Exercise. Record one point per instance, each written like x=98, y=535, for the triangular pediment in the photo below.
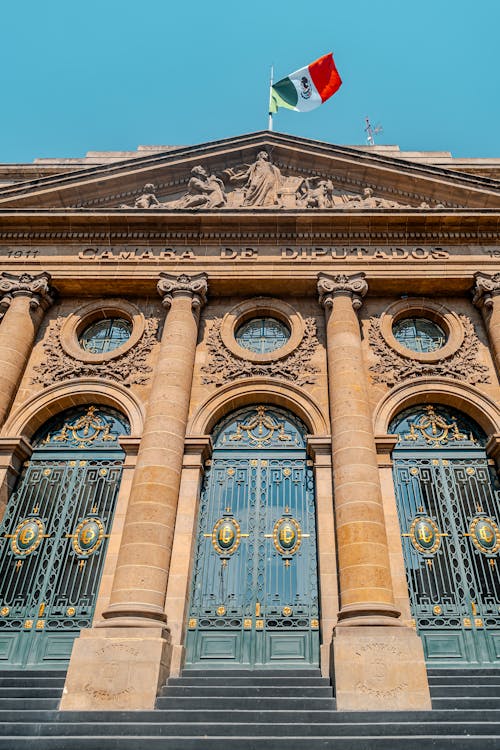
x=260, y=171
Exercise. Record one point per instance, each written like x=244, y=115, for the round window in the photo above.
x=262, y=335
x=105, y=335
x=419, y=334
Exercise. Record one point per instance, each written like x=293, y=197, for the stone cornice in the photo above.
x=382, y=226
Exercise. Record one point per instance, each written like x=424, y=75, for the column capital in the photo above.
x=354, y=286
x=36, y=286
x=171, y=285
x=485, y=288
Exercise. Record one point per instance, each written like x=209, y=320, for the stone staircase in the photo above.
x=268, y=710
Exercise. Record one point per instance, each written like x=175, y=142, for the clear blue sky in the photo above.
x=110, y=75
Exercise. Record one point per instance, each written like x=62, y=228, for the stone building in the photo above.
x=250, y=416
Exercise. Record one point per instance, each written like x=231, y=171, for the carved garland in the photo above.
x=129, y=368
x=393, y=367
x=223, y=366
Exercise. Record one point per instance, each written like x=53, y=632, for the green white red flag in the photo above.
x=307, y=88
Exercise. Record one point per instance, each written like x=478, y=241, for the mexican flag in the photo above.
x=307, y=88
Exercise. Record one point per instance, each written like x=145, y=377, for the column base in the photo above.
x=379, y=669
x=116, y=669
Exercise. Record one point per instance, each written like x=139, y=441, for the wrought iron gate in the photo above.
x=448, y=505
x=254, y=594
x=54, y=535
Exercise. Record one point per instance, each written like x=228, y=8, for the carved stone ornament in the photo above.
x=263, y=185
x=26, y=285
x=354, y=286
x=129, y=368
x=223, y=366
x=393, y=367
x=169, y=285
x=486, y=287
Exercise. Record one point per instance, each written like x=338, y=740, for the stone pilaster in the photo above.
x=371, y=661
x=134, y=634
x=24, y=299
x=487, y=298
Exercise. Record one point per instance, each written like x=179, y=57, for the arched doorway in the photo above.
x=448, y=504
x=54, y=536
x=254, y=594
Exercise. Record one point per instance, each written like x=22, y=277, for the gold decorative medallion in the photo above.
x=192, y=624
x=4, y=611
x=226, y=536
x=287, y=536
x=221, y=610
x=287, y=611
x=40, y=624
x=259, y=624
x=88, y=536
x=315, y=624
x=71, y=611
x=425, y=535
x=247, y=624
x=28, y=624
x=437, y=610
x=27, y=536
x=485, y=535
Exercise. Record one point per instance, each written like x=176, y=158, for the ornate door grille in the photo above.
x=54, y=536
x=448, y=505
x=254, y=594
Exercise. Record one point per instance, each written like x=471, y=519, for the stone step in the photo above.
x=28, y=673
x=245, y=716
x=208, y=729
x=272, y=742
x=30, y=692
x=249, y=703
x=465, y=691
x=472, y=672
x=21, y=682
x=244, y=691
x=477, y=680
x=306, y=682
x=461, y=703
x=287, y=673
x=37, y=704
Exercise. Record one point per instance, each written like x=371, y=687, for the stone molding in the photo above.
x=171, y=285
x=486, y=287
x=35, y=286
x=128, y=365
x=394, y=365
x=224, y=366
x=354, y=286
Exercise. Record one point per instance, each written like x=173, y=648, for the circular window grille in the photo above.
x=105, y=335
x=262, y=335
x=419, y=334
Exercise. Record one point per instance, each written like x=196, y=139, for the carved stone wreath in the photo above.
x=224, y=366
x=392, y=367
x=129, y=368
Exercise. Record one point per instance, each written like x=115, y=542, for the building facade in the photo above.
x=249, y=397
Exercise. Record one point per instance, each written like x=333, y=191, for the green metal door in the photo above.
x=254, y=600
x=54, y=535
x=448, y=505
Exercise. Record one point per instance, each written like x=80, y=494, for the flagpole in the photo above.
x=270, y=125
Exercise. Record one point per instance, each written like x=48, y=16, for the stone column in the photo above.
x=376, y=665
x=125, y=658
x=487, y=298
x=24, y=299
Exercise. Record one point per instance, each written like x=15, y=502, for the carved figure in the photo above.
x=147, y=199
x=204, y=191
x=316, y=193
x=261, y=181
x=368, y=200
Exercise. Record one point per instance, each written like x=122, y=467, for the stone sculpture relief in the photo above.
x=129, y=368
x=393, y=367
x=223, y=366
x=262, y=185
